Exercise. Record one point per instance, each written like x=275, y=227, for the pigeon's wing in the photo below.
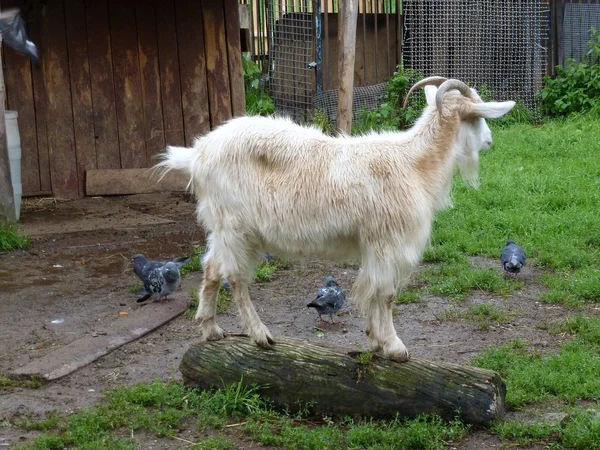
x=506, y=254
x=148, y=268
x=520, y=253
x=153, y=284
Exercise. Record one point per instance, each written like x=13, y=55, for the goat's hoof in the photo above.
x=267, y=343
x=396, y=351
x=400, y=357
x=214, y=334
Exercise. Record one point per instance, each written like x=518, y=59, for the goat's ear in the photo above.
x=491, y=110
x=430, y=94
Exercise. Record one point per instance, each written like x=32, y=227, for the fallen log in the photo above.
x=339, y=382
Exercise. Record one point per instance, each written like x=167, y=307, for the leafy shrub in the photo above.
x=576, y=87
x=390, y=115
x=258, y=101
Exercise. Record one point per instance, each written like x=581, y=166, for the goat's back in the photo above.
x=294, y=186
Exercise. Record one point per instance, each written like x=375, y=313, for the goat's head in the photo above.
x=473, y=134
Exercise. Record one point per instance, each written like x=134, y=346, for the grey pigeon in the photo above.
x=512, y=258
x=160, y=278
x=14, y=35
x=329, y=299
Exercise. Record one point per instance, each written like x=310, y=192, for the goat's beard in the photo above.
x=469, y=169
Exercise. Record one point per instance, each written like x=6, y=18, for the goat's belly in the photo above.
x=338, y=248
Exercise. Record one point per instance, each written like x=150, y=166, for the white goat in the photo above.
x=267, y=184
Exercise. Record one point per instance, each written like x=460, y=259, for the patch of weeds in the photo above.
x=265, y=270
x=163, y=407
x=49, y=423
x=424, y=432
x=215, y=443
x=524, y=433
x=33, y=382
x=458, y=278
x=223, y=301
x=365, y=358
x=572, y=289
x=195, y=265
x=585, y=329
x=485, y=314
x=11, y=237
x=136, y=287
x=408, y=296
x=580, y=430
x=570, y=374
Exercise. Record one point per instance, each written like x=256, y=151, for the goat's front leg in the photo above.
x=207, y=304
x=254, y=326
x=381, y=331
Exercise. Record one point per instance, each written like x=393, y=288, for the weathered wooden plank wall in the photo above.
x=120, y=79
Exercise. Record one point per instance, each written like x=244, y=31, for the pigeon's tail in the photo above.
x=177, y=158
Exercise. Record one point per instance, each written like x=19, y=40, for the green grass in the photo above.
x=163, y=408
x=540, y=186
x=223, y=301
x=567, y=376
x=486, y=314
x=34, y=382
x=195, y=265
x=580, y=430
x=456, y=279
x=11, y=237
x=408, y=296
x=570, y=374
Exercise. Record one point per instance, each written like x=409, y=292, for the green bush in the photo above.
x=390, y=115
x=258, y=101
x=575, y=87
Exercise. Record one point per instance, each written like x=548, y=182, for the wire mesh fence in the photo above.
x=500, y=44
x=291, y=58
x=578, y=20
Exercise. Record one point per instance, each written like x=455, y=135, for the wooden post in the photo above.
x=7, y=199
x=346, y=43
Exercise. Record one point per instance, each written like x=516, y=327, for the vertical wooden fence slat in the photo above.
x=192, y=68
x=169, y=72
x=128, y=90
x=19, y=95
x=40, y=101
x=61, y=140
x=234, y=57
x=79, y=72
x=103, y=94
x=217, y=67
x=151, y=101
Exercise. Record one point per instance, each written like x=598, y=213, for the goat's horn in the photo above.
x=434, y=81
x=448, y=85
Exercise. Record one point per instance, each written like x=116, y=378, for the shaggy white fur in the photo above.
x=268, y=184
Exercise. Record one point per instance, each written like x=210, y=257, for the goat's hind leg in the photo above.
x=207, y=303
x=376, y=302
x=257, y=330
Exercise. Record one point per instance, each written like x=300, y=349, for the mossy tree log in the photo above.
x=339, y=382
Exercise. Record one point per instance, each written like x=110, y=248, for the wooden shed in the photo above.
x=119, y=80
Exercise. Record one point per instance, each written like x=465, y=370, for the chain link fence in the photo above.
x=499, y=44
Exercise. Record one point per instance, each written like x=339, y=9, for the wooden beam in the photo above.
x=124, y=329
x=7, y=200
x=339, y=382
x=131, y=181
x=346, y=43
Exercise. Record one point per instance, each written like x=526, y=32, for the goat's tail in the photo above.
x=178, y=158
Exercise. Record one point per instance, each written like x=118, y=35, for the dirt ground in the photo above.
x=78, y=272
